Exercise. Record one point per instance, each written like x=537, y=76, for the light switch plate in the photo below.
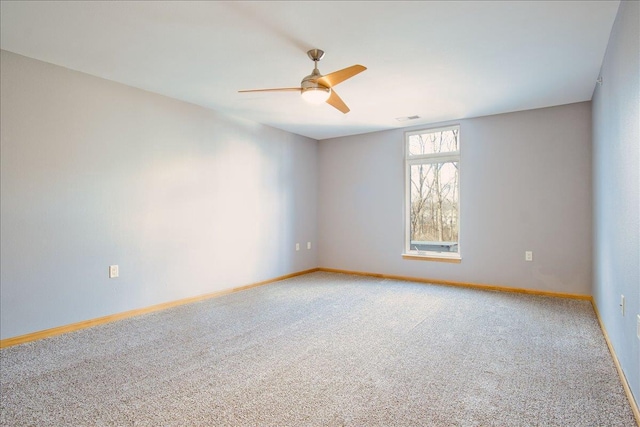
x=113, y=271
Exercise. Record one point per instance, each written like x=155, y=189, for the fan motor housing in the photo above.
x=310, y=82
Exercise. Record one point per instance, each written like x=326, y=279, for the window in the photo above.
x=432, y=196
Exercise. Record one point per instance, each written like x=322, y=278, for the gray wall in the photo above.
x=525, y=185
x=616, y=166
x=186, y=201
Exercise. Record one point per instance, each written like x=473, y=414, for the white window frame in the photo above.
x=452, y=156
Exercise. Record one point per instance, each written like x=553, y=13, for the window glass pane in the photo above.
x=434, y=207
x=443, y=141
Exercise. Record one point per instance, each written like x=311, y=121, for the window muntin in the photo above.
x=432, y=165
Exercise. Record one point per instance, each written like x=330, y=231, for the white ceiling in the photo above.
x=440, y=60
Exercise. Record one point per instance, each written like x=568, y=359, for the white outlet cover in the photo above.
x=308, y=245
x=297, y=246
x=528, y=256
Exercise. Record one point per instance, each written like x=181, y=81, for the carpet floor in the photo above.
x=326, y=349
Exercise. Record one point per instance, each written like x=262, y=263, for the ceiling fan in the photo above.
x=316, y=88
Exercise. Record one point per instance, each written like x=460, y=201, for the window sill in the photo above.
x=433, y=257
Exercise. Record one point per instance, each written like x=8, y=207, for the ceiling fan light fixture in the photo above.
x=316, y=95
x=316, y=88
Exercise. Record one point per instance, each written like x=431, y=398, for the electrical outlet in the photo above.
x=113, y=271
x=308, y=245
x=528, y=256
x=622, y=304
x=297, y=246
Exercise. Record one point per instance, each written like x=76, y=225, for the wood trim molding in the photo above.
x=8, y=342
x=461, y=284
x=623, y=378
x=432, y=258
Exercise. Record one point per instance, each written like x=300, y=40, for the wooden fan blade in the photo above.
x=332, y=79
x=282, y=89
x=337, y=102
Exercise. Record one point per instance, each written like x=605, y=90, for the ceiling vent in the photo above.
x=404, y=119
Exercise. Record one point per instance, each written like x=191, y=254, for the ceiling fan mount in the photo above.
x=316, y=88
x=315, y=54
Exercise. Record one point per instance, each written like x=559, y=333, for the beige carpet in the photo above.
x=326, y=350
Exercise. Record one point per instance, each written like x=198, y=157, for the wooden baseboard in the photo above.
x=8, y=342
x=461, y=284
x=623, y=378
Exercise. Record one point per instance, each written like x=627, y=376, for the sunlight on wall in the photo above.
x=214, y=212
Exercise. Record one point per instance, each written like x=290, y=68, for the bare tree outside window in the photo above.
x=433, y=166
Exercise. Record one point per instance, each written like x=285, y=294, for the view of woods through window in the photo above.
x=433, y=174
